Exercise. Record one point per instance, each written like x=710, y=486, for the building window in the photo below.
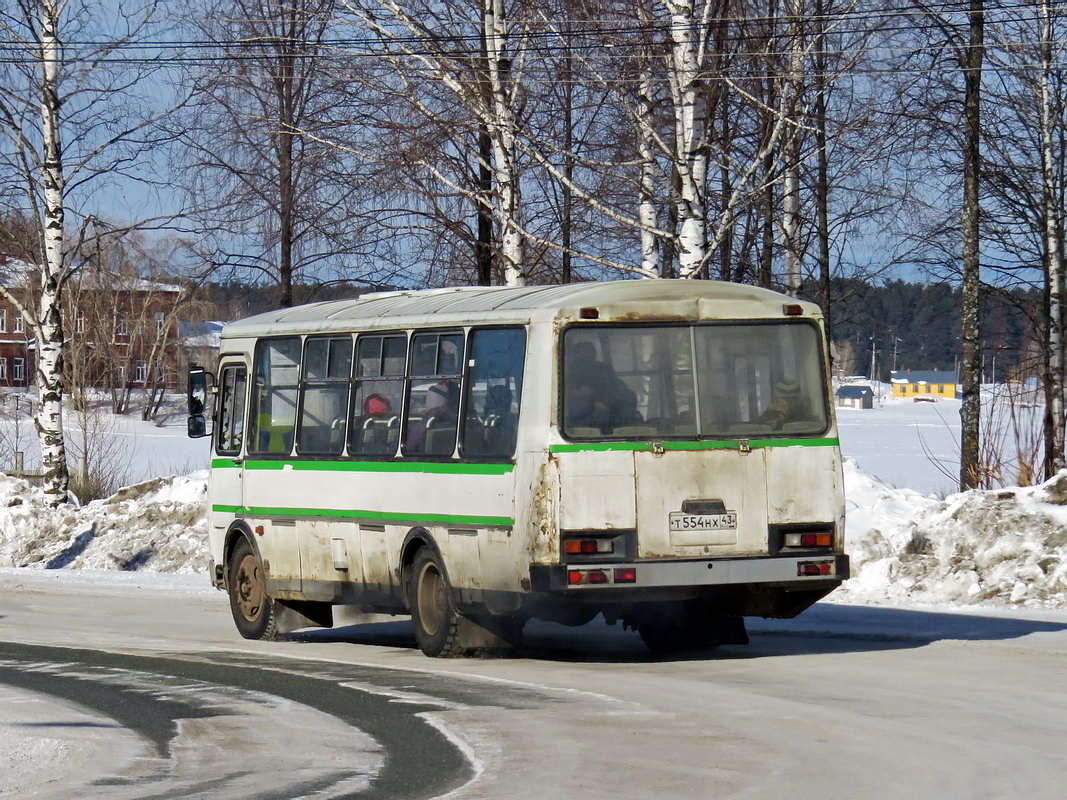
x=122, y=373
x=140, y=372
x=3, y=369
x=79, y=322
x=122, y=325
x=20, y=323
x=160, y=324
x=3, y=320
x=18, y=370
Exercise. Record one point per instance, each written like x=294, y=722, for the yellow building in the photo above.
x=922, y=383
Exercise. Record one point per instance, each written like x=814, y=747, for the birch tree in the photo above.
x=278, y=205
x=64, y=133
x=1027, y=181
x=432, y=44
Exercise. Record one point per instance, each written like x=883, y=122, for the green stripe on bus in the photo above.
x=433, y=467
x=732, y=444
x=345, y=513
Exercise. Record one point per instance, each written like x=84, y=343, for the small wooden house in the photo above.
x=855, y=396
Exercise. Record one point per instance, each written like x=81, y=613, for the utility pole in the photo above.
x=873, y=351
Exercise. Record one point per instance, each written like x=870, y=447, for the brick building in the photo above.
x=119, y=332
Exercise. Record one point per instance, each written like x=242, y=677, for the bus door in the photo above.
x=227, y=464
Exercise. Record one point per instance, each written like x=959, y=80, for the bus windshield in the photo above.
x=719, y=380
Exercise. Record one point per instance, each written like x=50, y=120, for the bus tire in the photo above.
x=433, y=614
x=254, y=612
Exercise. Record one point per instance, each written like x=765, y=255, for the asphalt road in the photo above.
x=143, y=689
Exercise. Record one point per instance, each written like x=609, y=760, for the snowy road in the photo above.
x=136, y=685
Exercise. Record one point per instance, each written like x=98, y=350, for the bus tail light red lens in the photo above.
x=806, y=568
x=626, y=575
x=579, y=577
x=793, y=310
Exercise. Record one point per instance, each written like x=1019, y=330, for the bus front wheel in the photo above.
x=254, y=612
x=433, y=614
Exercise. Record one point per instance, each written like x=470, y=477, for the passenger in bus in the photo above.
x=442, y=407
x=376, y=405
x=595, y=396
x=786, y=405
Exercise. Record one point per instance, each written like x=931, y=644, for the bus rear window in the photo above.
x=732, y=380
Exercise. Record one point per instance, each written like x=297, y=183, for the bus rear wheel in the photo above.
x=433, y=614
x=254, y=612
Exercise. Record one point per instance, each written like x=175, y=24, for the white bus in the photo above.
x=660, y=452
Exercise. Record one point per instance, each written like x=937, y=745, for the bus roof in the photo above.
x=631, y=300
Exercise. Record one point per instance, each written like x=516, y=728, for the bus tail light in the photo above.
x=578, y=577
x=587, y=547
x=809, y=539
x=626, y=575
x=807, y=568
x=792, y=309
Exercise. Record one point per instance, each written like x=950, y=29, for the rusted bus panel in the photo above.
x=597, y=491
x=461, y=549
x=537, y=510
x=279, y=547
x=805, y=484
x=378, y=557
x=731, y=480
x=325, y=544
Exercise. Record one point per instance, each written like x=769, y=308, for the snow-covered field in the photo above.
x=912, y=541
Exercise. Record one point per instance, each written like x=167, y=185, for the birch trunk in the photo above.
x=502, y=133
x=49, y=328
x=689, y=130
x=1054, y=264
x=791, y=153
x=646, y=203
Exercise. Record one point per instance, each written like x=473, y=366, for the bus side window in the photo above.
x=274, y=396
x=324, y=395
x=494, y=388
x=230, y=431
x=433, y=394
x=377, y=395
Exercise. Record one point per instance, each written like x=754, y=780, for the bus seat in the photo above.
x=440, y=440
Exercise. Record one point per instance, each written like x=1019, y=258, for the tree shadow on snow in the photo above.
x=825, y=628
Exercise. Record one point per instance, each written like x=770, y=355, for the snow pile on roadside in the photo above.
x=1006, y=546
x=158, y=525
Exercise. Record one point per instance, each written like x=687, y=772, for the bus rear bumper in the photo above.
x=794, y=570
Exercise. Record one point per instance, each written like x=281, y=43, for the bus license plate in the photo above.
x=680, y=521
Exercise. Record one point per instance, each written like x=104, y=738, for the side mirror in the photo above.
x=197, y=390
x=196, y=426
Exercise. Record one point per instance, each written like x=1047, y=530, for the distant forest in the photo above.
x=917, y=326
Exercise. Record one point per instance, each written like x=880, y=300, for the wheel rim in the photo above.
x=248, y=591
x=431, y=599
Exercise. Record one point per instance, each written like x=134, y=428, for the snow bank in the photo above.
x=1005, y=546
x=159, y=525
